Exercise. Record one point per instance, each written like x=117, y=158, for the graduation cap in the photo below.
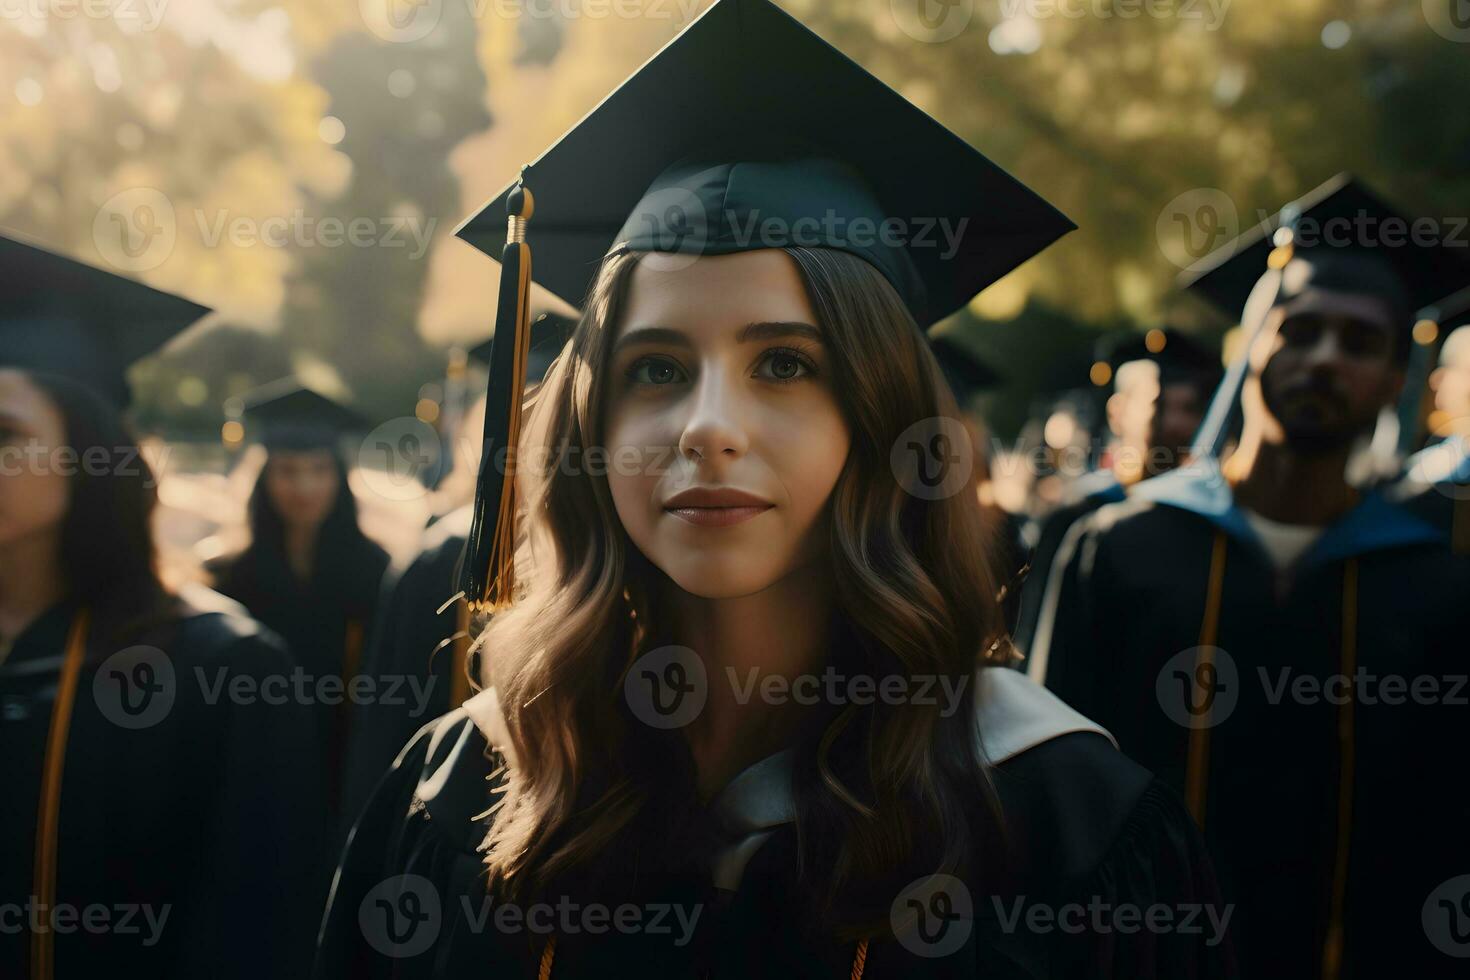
x=745, y=131
x=61, y=316
x=549, y=334
x=1340, y=237
x=1180, y=357
x=1345, y=238
x=286, y=414
x=967, y=373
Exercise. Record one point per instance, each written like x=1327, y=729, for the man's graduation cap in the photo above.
x=64, y=317
x=746, y=131
x=549, y=334
x=1348, y=240
x=1340, y=237
x=286, y=414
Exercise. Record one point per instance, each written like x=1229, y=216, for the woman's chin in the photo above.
x=725, y=576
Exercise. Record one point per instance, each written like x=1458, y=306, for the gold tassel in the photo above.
x=489, y=569
x=1197, y=770
x=48, y=817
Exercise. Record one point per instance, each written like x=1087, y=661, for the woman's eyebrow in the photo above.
x=773, y=329
x=650, y=335
x=761, y=330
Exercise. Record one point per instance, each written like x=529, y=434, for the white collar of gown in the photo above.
x=1012, y=715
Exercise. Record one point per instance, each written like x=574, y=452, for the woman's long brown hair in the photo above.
x=885, y=793
x=107, y=548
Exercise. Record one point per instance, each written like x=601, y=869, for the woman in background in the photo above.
x=146, y=784
x=309, y=572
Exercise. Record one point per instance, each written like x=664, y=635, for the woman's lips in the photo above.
x=717, y=516
x=716, y=506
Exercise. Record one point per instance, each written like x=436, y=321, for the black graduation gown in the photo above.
x=1014, y=558
x=200, y=819
x=1088, y=826
x=1098, y=489
x=409, y=657
x=1132, y=601
x=325, y=624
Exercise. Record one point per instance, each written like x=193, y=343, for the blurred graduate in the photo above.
x=1161, y=383
x=309, y=572
x=747, y=459
x=1436, y=480
x=155, y=824
x=1251, y=631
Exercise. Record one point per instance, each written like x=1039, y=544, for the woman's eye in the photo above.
x=787, y=365
x=653, y=371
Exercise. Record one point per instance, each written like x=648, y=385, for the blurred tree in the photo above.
x=398, y=110
x=1163, y=137
x=220, y=362
x=137, y=145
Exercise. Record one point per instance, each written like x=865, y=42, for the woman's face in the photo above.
x=302, y=485
x=723, y=432
x=34, y=468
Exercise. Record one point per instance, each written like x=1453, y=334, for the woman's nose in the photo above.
x=715, y=422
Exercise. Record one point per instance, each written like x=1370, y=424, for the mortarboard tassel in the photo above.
x=48, y=816
x=488, y=569
x=1209, y=441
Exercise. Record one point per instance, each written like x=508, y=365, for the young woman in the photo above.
x=737, y=716
x=309, y=572
x=154, y=802
x=809, y=559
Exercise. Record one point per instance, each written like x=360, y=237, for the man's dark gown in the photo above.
x=1290, y=773
x=1097, y=489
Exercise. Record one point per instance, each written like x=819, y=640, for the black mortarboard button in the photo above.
x=746, y=131
x=64, y=317
x=286, y=414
